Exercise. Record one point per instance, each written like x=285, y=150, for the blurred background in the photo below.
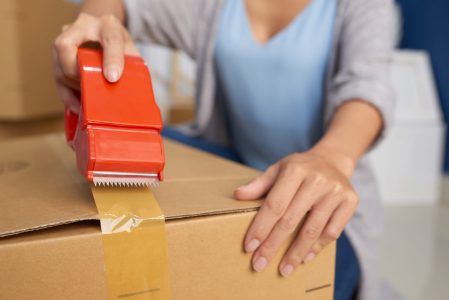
x=412, y=164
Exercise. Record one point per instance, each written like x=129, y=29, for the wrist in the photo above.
x=341, y=160
x=99, y=9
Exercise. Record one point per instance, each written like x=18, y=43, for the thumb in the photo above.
x=259, y=186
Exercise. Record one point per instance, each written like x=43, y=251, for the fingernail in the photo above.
x=260, y=264
x=113, y=74
x=251, y=246
x=309, y=257
x=287, y=270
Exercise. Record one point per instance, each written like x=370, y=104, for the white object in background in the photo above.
x=408, y=164
x=160, y=61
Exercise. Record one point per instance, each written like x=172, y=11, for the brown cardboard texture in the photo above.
x=27, y=29
x=50, y=238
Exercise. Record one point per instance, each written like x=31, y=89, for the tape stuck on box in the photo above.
x=134, y=241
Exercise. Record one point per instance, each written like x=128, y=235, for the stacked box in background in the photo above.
x=13, y=129
x=27, y=89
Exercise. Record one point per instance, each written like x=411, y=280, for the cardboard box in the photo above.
x=27, y=128
x=51, y=247
x=181, y=112
x=27, y=30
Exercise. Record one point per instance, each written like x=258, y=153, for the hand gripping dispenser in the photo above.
x=116, y=136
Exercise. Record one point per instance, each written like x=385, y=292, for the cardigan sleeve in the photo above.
x=363, y=56
x=171, y=23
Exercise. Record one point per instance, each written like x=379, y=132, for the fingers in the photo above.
x=108, y=31
x=72, y=37
x=336, y=224
x=308, y=236
x=61, y=78
x=259, y=186
x=288, y=223
x=113, y=42
x=323, y=225
x=130, y=47
x=69, y=98
x=273, y=208
x=299, y=185
x=66, y=47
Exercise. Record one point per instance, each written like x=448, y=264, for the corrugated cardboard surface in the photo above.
x=40, y=185
x=27, y=30
x=205, y=228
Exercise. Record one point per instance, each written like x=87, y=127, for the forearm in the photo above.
x=100, y=8
x=353, y=128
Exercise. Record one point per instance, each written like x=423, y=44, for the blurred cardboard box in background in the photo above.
x=27, y=30
x=181, y=112
x=11, y=129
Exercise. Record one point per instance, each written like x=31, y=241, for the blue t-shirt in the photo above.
x=273, y=92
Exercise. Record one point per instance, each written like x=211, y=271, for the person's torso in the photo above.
x=273, y=92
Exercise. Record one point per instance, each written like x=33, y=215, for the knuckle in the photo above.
x=352, y=197
x=320, y=217
x=318, y=179
x=64, y=27
x=288, y=223
x=337, y=187
x=318, y=247
x=109, y=19
x=83, y=16
x=267, y=249
x=291, y=170
x=294, y=258
x=112, y=38
x=332, y=233
x=62, y=42
x=275, y=207
x=271, y=169
x=312, y=231
x=292, y=158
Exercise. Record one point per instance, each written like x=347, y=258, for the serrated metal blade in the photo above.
x=125, y=179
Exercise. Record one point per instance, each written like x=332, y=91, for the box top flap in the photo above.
x=41, y=187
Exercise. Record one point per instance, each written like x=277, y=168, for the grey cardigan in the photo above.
x=363, y=41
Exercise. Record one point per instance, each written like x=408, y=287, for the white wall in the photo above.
x=409, y=163
x=160, y=61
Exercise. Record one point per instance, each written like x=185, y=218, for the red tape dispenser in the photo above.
x=116, y=137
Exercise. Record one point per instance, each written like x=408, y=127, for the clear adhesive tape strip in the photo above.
x=135, y=248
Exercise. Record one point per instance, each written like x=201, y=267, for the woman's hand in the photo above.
x=109, y=32
x=314, y=183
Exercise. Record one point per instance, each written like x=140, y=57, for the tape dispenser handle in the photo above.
x=71, y=120
x=71, y=123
